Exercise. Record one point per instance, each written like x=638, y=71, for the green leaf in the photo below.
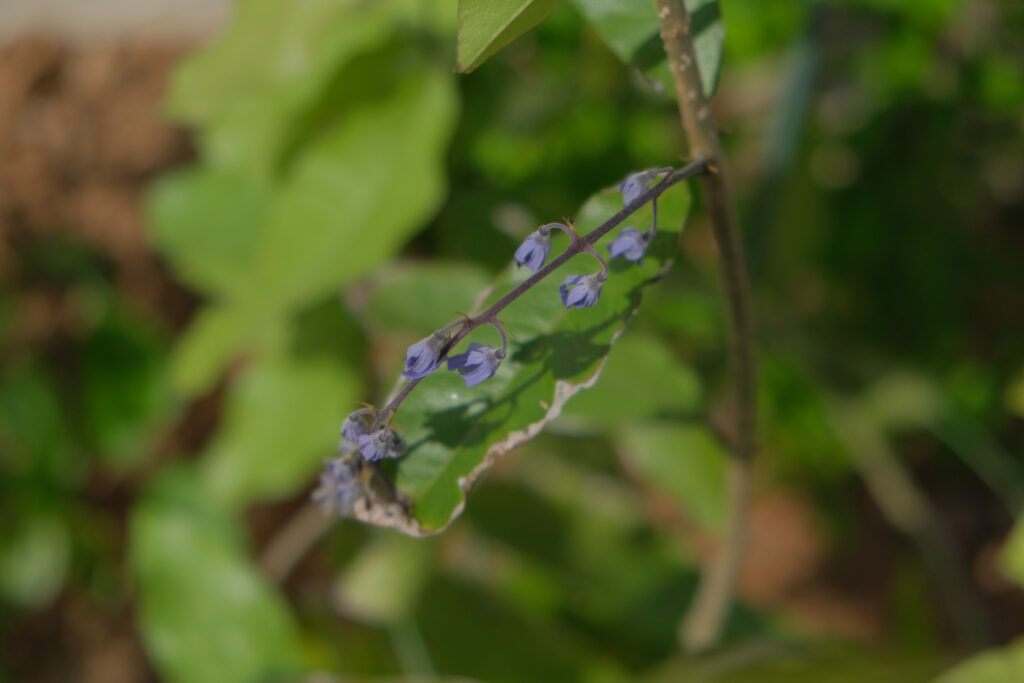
x=457, y=431
x=350, y=202
x=417, y=297
x=644, y=369
x=35, y=434
x=684, y=461
x=357, y=195
x=34, y=561
x=383, y=582
x=1012, y=556
x=465, y=622
x=279, y=426
x=206, y=613
x=125, y=396
x=821, y=662
x=284, y=50
x=1002, y=665
x=204, y=221
x=486, y=26
x=213, y=336
x=632, y=31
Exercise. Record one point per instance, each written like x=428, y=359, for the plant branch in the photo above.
x=577, y=246
x=703, y=624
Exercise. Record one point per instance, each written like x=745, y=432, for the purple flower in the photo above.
x=383, y=443
x=581, y=291
x=477, y=364
x=339, y=486
x=534, y=250
x=636, y=184
x=354, y=426
x=633, y=186
x=424, y=356
x=630, y=243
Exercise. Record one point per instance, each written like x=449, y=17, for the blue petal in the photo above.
x=632, y=187
x=533, y=251
x=631, y=244
x=458, y=361
x=478, y=374
x=563, y=289
x=424, y=356
x=353, y=427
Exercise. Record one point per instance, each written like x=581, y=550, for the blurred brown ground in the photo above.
x=80, y=136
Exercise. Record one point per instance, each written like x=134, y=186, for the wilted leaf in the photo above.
x=455, y=432
x=486, y=26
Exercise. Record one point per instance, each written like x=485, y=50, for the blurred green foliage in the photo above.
x=877, y=152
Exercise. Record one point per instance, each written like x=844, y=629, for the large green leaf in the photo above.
x=357, y=196
x=273, y=436
x=205, y=221
x=486, y=26
x=631, y=30
x=415, y=297
x=205, y=612
x=349, y=203
x=455, y=432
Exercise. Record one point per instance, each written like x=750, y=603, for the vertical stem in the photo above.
x=706, y=617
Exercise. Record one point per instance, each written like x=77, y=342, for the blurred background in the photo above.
x=221, y=223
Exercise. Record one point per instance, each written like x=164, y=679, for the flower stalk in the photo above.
x=378, y=440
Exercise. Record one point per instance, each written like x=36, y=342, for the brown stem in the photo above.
x=705, y=619
x=293, y=540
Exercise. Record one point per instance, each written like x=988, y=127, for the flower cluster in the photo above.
x=340, y=485
x=375, y=441
x=368, y=435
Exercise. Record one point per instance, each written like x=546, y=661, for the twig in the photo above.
x=291, y=543
x=705, y=619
